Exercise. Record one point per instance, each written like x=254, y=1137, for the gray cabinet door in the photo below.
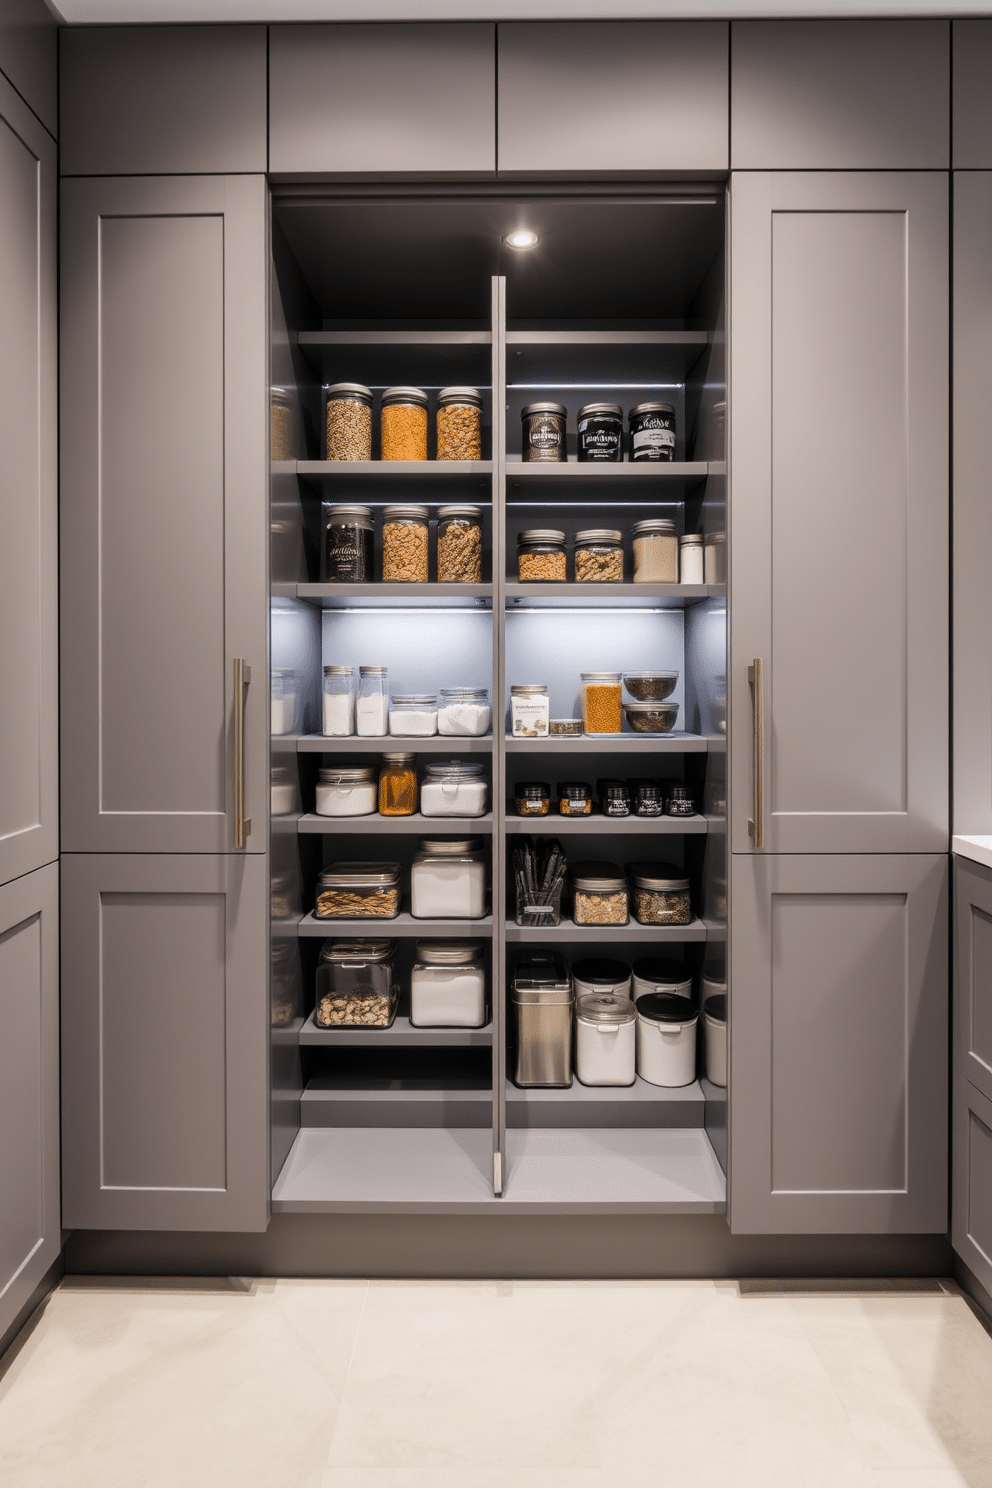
x=838, y=1081
x=165, y=1121
x=839, y=470
x=971, y=1203
x=164, y=510
x=30, y=1235
x=29, y=828
x=613, y=96
x=971, y=103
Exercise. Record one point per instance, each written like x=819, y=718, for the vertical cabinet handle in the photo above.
x=756, y=826
x=242, y=823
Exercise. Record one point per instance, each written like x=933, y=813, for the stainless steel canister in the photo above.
x=542, y=997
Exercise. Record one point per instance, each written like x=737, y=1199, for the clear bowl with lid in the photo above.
x=448, y=879
x=459, y=424
x=405, y=541
x=348, y=421
x=346, y=790
x=353, y=891
x=459, y=542
x=661, y=974
x=650, y=687
x=651, y=718
x=464, y=712
x=599, y=894
x=666, y=1039
x=413, y=715
x=454, y=788
x=601, y=696
x=403, y=424
x=599, y=556
x=448, y=984
x=660, y=894
x=357, y=986
x=542, y=432
x=656, y=551
x=542, y=556
x=605, y=1039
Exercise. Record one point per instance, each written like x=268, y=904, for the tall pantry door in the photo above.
x=164, y=512
x=839, y=529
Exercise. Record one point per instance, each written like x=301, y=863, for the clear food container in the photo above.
x=348, y=545
x=542, y=557
x=349, y=421
x=448, y=880
x=338, y=702
x=530, y=710
x=448, y=984
x=715, y=558
x=454, y=788
x=601, y=703
x=398, y=785
x=651, y=718
x=354, y=891
x=650, y=687
x=605, y=1039
x=357, y=986
x=599, y=894
x=280, y=424
x=403, y=424
x=571, y=727
x=464, y=712
x=405, y=542
x=459, y=424
x=542, y=1001
x=598, y=556
x=346, y=790
x=459, y=540
x=372, y=705
x=574, y=798
x=660, y=894
x=656, y=551
x=691, y=568
x=532, y=797
x=285, y=983
x=283, y=715
x=282, y=790
x=413, y=714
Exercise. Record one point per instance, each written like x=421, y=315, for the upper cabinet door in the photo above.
x=840, y=95
x=29, y=827
x=164, y=511
x=971, y=104
x=839, y=461
x=359, y=100
x=614, y=96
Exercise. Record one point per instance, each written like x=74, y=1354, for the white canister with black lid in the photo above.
x=666, y=1039
x=715, y=1037
x=605, y=1039
x=600, y=975
x=658, y=974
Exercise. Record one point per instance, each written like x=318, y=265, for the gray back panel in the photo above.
x=157, y=100
x=840, y=94
x=356, y=99
x=613, y=96
x=28, y=493
x=971, y=103
x=29, y=56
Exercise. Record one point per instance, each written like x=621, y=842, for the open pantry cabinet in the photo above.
x=622, y=299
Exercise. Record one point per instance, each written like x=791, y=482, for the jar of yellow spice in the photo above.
x=601, y=711
x=403, y=424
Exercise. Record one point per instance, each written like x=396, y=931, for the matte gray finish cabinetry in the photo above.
x=29, y=829
x=157, y=100
x=971, y=104
x=839, y=454
x=971, y=1216
x=165, y=1042
x=371, y=99
x=841, y=95
x=164, y=510
x=613, y=96
x=839, y=1052
x=29, y=56
x=30, y=1237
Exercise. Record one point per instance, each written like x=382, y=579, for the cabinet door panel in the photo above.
x=30, y=1237
x=838, y=1044
x=971, y=106
x=163, y=510
x=29, y=831
x=839, y=512
x=29, y=56
x=165, y=1044
x=973, y=973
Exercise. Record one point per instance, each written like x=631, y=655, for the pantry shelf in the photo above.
x=378, y=358
x=323, y=826
x=567, y=931
x=372, y=478
x=330, y=1101
x=673, y=743
x=657, y=357
x=608, y=826
x=429, y=596
x=636, y=596
x=403, y=924
x=577, y=1105
x=353, y=744
x=402, y=1035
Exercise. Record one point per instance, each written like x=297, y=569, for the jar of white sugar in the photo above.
x=339, y=702
x=372, y=707
x=464, y=711
x=454, y=788
x=283, y=701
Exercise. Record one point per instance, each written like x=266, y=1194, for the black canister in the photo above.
x=349, y=545
x=680, y=801
x=652, y=431
x=647, y=797
x=600, y=432
x=543, y=431
x=614, y=797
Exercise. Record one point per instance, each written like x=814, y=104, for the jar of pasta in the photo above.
x=598, y=556
x=459, y=544
x=601, y=711
x=405, y=534
x=459, y=424
x=403, y=424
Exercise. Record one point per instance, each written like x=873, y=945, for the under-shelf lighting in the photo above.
x=602, y=383
x=521, y=238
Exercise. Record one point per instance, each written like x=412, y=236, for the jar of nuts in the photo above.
x=459, y=424
x=357, y=985
x=349, y=421
x=598, y=556
x=405, y=531
x=661, y=894
x=599, y=894
x=541, y=556
x=601, y=711
x=403, y=424
x=459, y=544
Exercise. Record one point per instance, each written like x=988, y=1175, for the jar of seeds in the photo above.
x=599, y=894
x=661, y=894
x=403, y=424
x=281, y=425
x=601, y=712
x=541, y=556
x=459, y=544
x=357, y=985
x=543, y=432
x=405, y=531
x=459, y=424
x=349, y=421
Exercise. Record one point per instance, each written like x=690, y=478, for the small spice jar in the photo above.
x=571, y=727
x=598, y=556
x=661, y=894
x=656, y=551
x=349, y=421
x=541, y=556
x=600, y=432
x=647, y=797
x=454, y=788
x=357, y=985
x=605, y=1039
x=691, y=558
x=532, y=797
x=543, y=432
x=601, y=710
x=459, y=545
x=599, y=894
x=614, y=797
x=448, y=984
x=413, y=715
x=530, y=710
x=348, y=545
x=281, y=424
x=372, y=706
x=403, y=424
x=574, y=799
x=398, y=785
x=405, y=535
x=346, y=790
x=715, y=558
x=652, y=431
x=679, y=801
x=347, y=891
x=448, y=880
x=459, y=424
x=338, y=719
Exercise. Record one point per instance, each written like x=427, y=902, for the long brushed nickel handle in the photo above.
x=242, y=823
x=756, y=826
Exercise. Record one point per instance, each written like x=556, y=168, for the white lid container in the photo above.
x=448, y=984
x=666, y=1039
x=715, y=1037
x=605, y=1039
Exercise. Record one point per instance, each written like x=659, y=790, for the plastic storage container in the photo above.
x=459, y=424
x=679, y=801
x=459, y=542
x=413, y=715
x=715, y=1038
x=647, y=797
x=574, y=798
x=285, y=984
x=403, y=424
x=656, y=551
x=464, y=712
x=600, y=432
x=282, y=790
x=614, y=797
x=666, y=1039
x=454, y=788
x=405, y=543
x=348, y=545
x=352, y=891
x=691, y=558
x=283, y=715
x=656, y=974
x=372, y=706
x=346, y=790
x=348, y=421
x=598, y=556
x=280, y=424
x=651, y=718
x=530, y=710
x=448, y=880
x=398, y=785
x=660, y=894
x=357, y=985
x=542, y=557
x=601, y=712
x=532, y=797
x=652, y=431
x=542, y=432
x=715, y=558
x=601, y=975
x=448, y=984
x=542, y=1001
x=650, y=687
x=338, y=707
x=599, y=892
x=605, y=1039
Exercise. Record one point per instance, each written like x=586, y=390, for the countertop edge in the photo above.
x=976, y=849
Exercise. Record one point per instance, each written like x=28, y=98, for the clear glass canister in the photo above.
x=542, y=557
x=352, y=891
x=459, y=424
x=599, y=894
x=283, y=700
x=656, y=551
x=339, y=702
x=600, y=432
x=403, y=424
x=448, y=880
x=349, y=421
x=405, y=539
x=372, y=707
x=346, y=790
x=348, y=545
x=413, y=714
x=398, y=785
x=598, y=556
x=691, y=558
x=530, y=710
x=543, y=432
x=454, y=788
x=448, y=984
x=459, y=544
x=605, y=1039
x=601, y=711
x=282, y=790
x=661, y=894
x=464, y=711
x=285, y=984
x=715, y=558
x=281, y=424
x=357, y=986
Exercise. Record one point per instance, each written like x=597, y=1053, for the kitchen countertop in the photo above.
x=978, y=849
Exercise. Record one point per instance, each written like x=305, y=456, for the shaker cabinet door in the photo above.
x=839, y=527
x=164, y=511
x=165, y=1042
x=971, y=1206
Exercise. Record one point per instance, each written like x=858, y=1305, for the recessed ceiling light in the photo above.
x=524, y=238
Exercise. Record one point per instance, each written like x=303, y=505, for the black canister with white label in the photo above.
x=652, y=431
x=601, y=432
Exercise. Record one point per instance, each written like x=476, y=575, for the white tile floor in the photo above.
x=349, y=1384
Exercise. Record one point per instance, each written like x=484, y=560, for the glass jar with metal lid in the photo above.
x=464, y=711
x=283, y=707
x=357, y=985
x=398, y=785
x=448, y=984
x=601, y=710
x=285, y=983
x=372, y=703
x=542, y=1001
x=338, y=702
x=652, y=431
x=413, y=714
x=661, y=974
x=691, y=558
x=454, y=788
x=403, y=424
x=661, y=894
x=530, y=710
x=281, y=424
x=605, y=1039
x=574, y=798
x=532, y=797
x=282, y=790
x=715, y=558
x=543, y=432
x=600, y=432
x=459, y=544
x=656, y=551
x=542, y=557
x=448, y=880
x=599, y=894
x=598, y=556
x=459, y=424
x=405, y=537
x=679, y=801
x=348, y=545
x=346, y=790
x=352, y=891
x=349, y=421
